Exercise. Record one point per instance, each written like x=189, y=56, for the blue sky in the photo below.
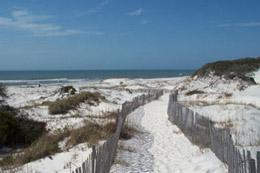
x=126, y=34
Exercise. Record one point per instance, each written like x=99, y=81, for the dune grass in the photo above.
x=62, y=106
x=231, y=69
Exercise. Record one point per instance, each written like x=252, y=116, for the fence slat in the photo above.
x=252, y=163
x=258, y=161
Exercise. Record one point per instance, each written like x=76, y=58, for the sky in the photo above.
x=126, y=34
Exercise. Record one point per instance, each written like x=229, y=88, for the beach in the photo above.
x=158, y=146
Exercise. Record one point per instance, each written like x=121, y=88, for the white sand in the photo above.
x=58, y=163
x=171, y=151
x=227, y=102
x=256, y=76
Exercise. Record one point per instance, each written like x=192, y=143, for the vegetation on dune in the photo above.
x=68, y=89
x=47, y=145
x=15, y=128
x=3, y=93
x=62, y=106
x=194, y=92
x=96, y=132
x=231, y=69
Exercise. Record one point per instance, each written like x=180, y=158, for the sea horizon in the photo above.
x=34, y=77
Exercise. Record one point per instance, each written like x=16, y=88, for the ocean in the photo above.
x=53, y=77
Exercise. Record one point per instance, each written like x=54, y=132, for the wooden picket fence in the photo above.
x=101, y=158
x=201, y=131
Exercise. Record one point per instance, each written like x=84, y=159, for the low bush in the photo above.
x=8, y=129
x=62, y=106
x=18, y=130
x=68, y=89
x=30, y=130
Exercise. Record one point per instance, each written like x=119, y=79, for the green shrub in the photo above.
x=62, y=106
x=68, y=89
x=18, y=131
x=8, y=129
x=30, y=130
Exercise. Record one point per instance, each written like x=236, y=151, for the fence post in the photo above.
x=244, y=161
x=258, y=161
x=249, y=159
x=93, y=158
x=252, y=163
x=84, y=167
x=175, y=96
x=80, y=170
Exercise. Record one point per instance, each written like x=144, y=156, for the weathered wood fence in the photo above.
x=202, y=132
x=101, y=158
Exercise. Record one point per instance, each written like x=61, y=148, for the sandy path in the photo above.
x=170, y=147
x=167, y=150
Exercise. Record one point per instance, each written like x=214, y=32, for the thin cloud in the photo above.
x=138, y=12
x=21, y=19
x=144, y=22
x=97, y=9
x=248, y=24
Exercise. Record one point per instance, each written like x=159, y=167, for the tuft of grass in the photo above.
x=93, y=132
x=44, y=103
x=47, y=145
x=90, y=132
x=194, y=92
x=128, y=90
x=127, y=132
x=226, y=124
x=228, y=94
x=62, y=106
x=121, y=146
x=205, y=103
x=121, y=161
x=108, y=115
